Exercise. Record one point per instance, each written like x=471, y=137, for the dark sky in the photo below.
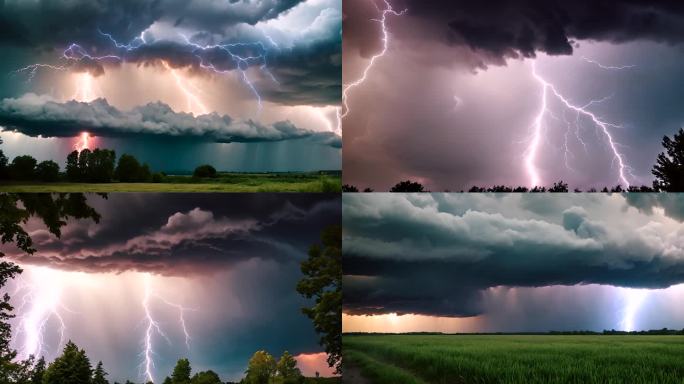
x=519, y=262
x=131, y=72
x=231, y=260
x=453, y=102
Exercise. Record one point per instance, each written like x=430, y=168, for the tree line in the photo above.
x=668, y=172
x=73, y=366
x=86, y=166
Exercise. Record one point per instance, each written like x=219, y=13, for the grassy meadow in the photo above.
x=509, y=359
x=224, y=182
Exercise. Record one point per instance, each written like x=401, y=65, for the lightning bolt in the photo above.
x=633, y=299
x=153, y=327
x=387, y=11
x=40, y=306
x=191, y=98
x=538, y=130
x=607, y=66
x=83, y=142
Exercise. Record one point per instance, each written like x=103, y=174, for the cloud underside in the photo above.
x=35, y=115
x=197, y=241
x=508, y=28
x=436, y=255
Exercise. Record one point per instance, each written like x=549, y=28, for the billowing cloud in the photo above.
x=35, y=115
x=437, y=254
x=181, y=240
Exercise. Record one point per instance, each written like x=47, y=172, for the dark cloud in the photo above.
x=436, y=254
x=508, y=28
x=185, y=235
x=37, y=115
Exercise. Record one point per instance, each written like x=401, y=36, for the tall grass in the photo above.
x=509, y=359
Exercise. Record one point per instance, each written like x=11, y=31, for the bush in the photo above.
x=203, y=171
x=408, y=186
x=47, y=171
x=157, y=177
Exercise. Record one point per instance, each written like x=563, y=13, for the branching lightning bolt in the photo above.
x=41, y=303
x=538, y=129
x=387, y=11
x=83, y=142
x=243, y=55
x=607, y=66
x=153, y=327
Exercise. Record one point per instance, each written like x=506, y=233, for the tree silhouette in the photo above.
x=72, y=367
x=47, y=171
x=23, y=168
x=349, y=188
x=99, y=375
x=205, y=170
x=408, y=186
x=129, y=170
x=559, y=187
x=206, y=377
x=669, y=168
x=323, y=281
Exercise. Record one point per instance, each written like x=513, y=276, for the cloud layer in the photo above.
x=437, y=254
x=183, y=235
x=35, y=115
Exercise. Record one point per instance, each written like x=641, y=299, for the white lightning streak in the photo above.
x=191, y=98
x=607, y=66
x=385, y=42
x=634, y=298
x=537, y=128
x=153, y=327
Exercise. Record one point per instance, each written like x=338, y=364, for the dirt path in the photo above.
x=352, y=375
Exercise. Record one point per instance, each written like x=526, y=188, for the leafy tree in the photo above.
x=260, y=369
x=181, y=373
x=287, y=371
x=38, y=372
x=206, y=377
x=408, y=186
x=205, y=170
x=72, y=367
x=100, y=165
x=129, y=170
x=167, y=380
x=4, y=168
x=73, y=172
x=669, y=168
x=99, y=375
x=47, y=171
x=323, y=281
x=23, y=168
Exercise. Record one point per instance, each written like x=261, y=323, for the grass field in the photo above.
x=226, y=182
x=456, y=359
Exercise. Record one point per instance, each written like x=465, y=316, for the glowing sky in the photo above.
x=222, y=268
x=512, y=262
x=245, y=86
x=454, y=101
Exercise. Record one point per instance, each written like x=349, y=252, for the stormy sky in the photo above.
x=247, y=86
x=511, y=262
x=229, y=264
x=454, y=101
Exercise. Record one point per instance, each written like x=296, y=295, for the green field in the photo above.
x=225, y=182
x=455, y=359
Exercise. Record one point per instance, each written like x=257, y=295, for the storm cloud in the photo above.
x=35, y=115
x=193, y=234
x=438, y=254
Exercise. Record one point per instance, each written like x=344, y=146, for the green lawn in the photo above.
x=516, y=358
x=296, y=182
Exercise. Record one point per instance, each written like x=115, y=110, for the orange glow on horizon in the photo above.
x=394, y=323
x=310, y=363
